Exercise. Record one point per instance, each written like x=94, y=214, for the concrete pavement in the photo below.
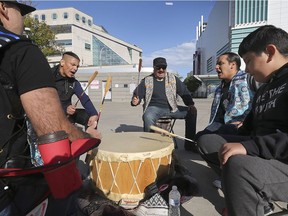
x=121, y=117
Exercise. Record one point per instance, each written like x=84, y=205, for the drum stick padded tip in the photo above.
x=152, y=127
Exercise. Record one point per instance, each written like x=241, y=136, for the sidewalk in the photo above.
x=121, y=117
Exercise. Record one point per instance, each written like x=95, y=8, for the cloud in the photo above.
x=178, y=57
x=169, y=3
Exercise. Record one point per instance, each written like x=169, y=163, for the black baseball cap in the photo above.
x=159, y=61
x=24, y=9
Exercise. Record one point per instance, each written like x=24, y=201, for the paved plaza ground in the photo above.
x=121, y=117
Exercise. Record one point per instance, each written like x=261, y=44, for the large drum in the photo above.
x=126, y=163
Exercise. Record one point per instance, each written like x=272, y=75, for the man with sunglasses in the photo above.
x=159, y=92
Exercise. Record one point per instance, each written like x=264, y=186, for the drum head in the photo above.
x=134, y=146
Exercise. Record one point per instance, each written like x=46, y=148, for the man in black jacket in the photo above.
x=254, y=163
x=67, y=85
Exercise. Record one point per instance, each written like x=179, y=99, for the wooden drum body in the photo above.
x=126, y=163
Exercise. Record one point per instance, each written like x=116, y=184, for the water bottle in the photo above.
x=174, y=202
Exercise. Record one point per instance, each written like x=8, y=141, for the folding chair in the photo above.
x=167, y=123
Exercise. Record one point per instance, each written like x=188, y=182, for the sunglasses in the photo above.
x=159, y=67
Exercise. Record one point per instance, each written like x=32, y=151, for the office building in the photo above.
x=228, y=23
x=98, y=51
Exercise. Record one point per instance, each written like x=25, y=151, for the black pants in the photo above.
x=218, y=128
x=80, y=117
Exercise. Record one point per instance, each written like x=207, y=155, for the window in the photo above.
x=83, y=20
x=58, y=29
x=67, y=42
x=54, y=16
x=125, y=85
x=210, y=65
x=43, y=17
x=65, y=15
x=77, y=17
x=89, y=22
x=87, y=46
x=36, y=17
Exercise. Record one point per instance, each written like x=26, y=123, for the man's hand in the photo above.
x=229, y=149
x=93, y=132
x=238, y=124
x=71, y=110
x=135, y=101
x=92, y=120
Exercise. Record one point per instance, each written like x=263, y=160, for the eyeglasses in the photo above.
x=159, y=67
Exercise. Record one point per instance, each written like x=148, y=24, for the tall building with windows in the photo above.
x=228, y=23
x=98, y=51
x=76, y=32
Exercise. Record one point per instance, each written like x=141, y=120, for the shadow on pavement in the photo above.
x=184, y=212
x=128, y=128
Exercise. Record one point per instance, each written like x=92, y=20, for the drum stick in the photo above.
x=139, y=70
x=89, y=82
x=281, y=207
x=107, y=87
x=168, y=133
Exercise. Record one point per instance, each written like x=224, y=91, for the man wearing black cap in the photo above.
x=159, y=92
x=27, y=89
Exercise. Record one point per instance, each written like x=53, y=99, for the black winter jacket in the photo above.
x=267, y=123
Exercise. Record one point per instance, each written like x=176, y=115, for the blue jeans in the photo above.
x=153, y=113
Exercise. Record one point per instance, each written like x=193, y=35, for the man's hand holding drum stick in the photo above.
x=160, y=130
x=71, y=109
x=107, y=87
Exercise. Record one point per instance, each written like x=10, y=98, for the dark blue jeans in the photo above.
x=153, y=113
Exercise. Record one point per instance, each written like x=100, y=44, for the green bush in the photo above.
x=192, y=83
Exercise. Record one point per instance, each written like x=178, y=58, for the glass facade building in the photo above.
x=76, y=32
x=225, y=33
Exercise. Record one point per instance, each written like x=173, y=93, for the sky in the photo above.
x=159, y=28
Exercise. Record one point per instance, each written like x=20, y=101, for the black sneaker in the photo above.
x=268, y=209
x=191, y=146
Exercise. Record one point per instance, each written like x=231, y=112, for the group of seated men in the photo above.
x=246, y=126
x=245, y=141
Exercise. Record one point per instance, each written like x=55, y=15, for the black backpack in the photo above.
x=13, y=137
